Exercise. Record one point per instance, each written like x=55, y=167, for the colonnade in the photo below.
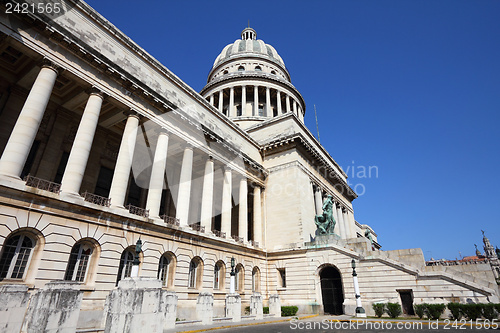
x=262, y=106
x=25, y=130
x=345, y=226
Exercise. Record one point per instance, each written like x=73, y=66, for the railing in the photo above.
x=96, y=199
x=137, y=210
x=171, y=220
x=219, y=233
x=42, y=184
x=197, y=227
x=238, y=239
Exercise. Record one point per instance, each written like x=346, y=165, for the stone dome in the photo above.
x=249, y=46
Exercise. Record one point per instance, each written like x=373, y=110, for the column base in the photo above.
x=12, y=181
x=72, y=197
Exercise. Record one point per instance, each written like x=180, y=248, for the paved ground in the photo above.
x=342, y=324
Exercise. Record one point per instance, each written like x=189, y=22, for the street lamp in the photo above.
x=360, y=312
x=232, y=281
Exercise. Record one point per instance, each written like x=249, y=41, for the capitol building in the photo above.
x=102, y=145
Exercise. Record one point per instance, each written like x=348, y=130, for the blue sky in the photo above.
x=409, y=87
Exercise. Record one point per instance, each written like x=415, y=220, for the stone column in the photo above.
x=184, y=194
x=243, y=210
x=255, y=100
x=243, y=101
x=13, y=301
x=207, y=195
x=221, y=100
x=275, y=305
x=257, y=216
x=340, y=215
x=55, y=308
x=233, y=307
x=268, y=102
x=278, y=101
x=123, y=165
x=318, y=200
x=335, y=216
x=350, y=225
x=226, y=202
x=295, y=108
x=212, y=99
x=79, y=155
x=288, y=109
x=230, y=111
x=157, y=175
x=205, y=308
x=256, y=306
x=24, y=132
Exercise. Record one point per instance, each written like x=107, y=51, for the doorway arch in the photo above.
x=332, y=292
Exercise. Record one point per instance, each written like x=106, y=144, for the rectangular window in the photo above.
x=282, y=277
x=61, y=167
x=104, y=182
x=30, y=160
x=134, y=193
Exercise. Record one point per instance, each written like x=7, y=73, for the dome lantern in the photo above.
x=248, y=34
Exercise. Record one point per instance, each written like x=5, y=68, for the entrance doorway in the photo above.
x=407, y=301
x=331, y=290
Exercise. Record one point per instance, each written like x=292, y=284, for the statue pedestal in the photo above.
x=324, y=240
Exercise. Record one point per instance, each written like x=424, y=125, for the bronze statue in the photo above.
x=325, y=223
x=138, y=249
x=368, y=234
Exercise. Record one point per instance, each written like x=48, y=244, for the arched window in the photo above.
x=126, y=262
x=16, y=256
x=241, y=69
x=166, y=269
x=195, y=273
x=256, y=279
x=219, y=274
x=239, y=277
x=258, y=69
x=79, y=261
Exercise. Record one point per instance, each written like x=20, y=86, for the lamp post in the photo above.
x=233, y=278
x=360, y=312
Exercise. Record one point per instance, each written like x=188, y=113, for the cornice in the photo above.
x=298, y=137
x=130, y=83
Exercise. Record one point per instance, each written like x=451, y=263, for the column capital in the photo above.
x=189, y=146
x=47, y=63
x=96, y=92
x=162, y=131
x=132, y=113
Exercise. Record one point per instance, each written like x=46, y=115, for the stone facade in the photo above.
x=101, y=145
